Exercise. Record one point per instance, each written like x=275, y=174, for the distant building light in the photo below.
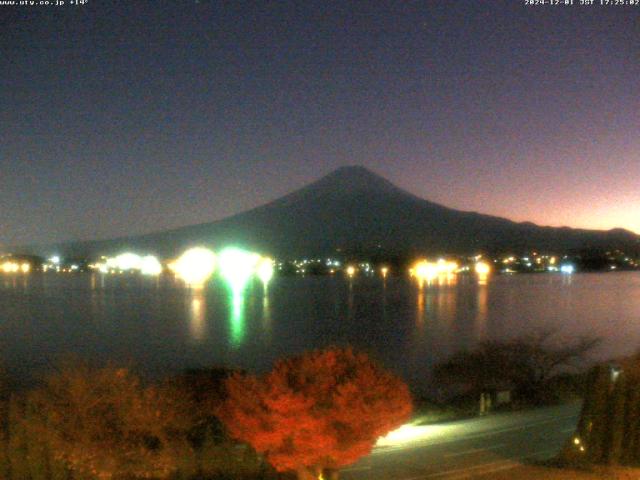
x=150, y=265
x=482, y=268
x=195, y=266
x=567, y=268
x=265, y=269
x=128, y=261
x=615, y=373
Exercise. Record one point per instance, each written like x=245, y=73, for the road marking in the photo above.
x=545, y=452
x=467, y=470
x=486, y=472
x=355, y=469
x=465, y=452
x=483, y=468
x=474, y=450
x=567, y=430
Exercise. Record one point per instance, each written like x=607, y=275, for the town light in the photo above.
x=127, y=261
x=265, y=270
x=10, y=267
x=445, y=267
x=195, y=266
x=425, y=270
x=150, y=265
x=567, y=268
x=482, y=268
x=237, y=265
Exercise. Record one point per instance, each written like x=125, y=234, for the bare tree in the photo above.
x=525, y=363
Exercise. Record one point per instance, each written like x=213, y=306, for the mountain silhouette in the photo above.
x=355, y=210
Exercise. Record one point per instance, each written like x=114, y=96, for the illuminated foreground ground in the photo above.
x=476, y=448
x=541, y=473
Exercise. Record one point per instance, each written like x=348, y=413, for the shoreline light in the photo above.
x=10, y=267
x=443, y=270
x=425, y=270
x=265, y=269
x=567, y=268
x=150, y=265
x=127, y=261
x=237, y=266
x=195, y=265
x=482, y=268
x=446, y=267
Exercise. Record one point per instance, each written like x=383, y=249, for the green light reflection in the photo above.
x=237, y=267
x=237, y=316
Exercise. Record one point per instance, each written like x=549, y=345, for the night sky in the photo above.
x=120, y=118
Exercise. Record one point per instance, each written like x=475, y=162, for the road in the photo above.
x=467, y=448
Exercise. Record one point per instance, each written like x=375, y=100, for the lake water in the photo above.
x=159, y=327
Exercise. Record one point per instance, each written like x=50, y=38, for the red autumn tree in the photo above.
x=315, y=412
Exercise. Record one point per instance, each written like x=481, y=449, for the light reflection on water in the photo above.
x=197, y=315
x=420, y=310
x=266, y=314
x=162, y=326
x=482, y=310
x=237, y=319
